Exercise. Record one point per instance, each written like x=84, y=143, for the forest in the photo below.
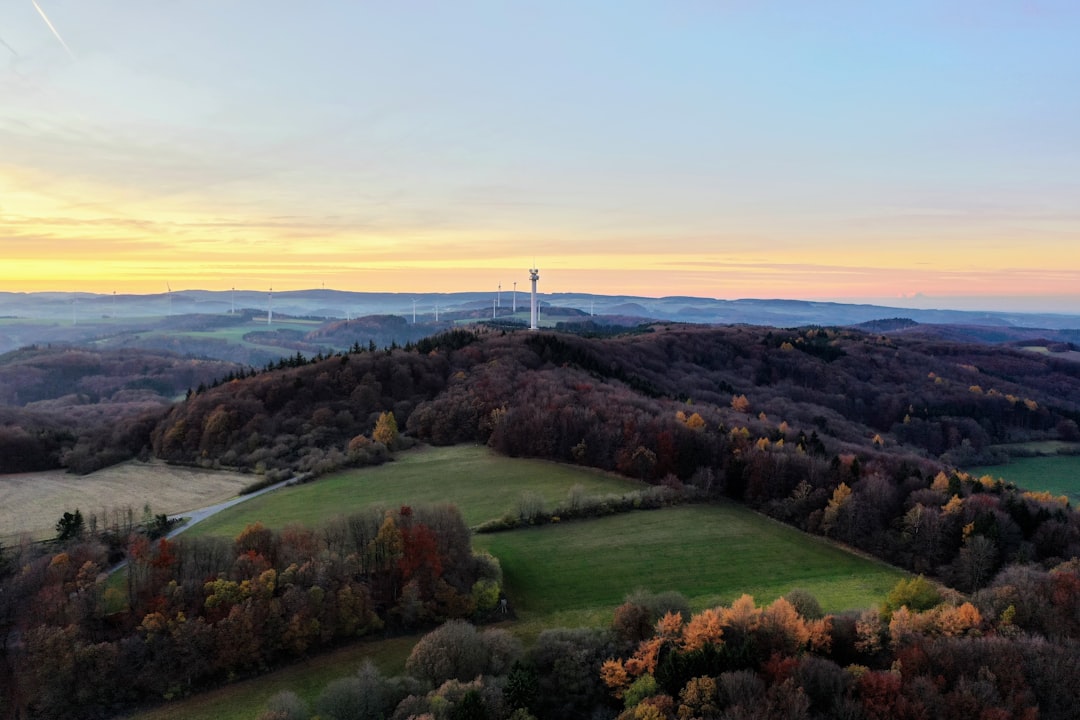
x=856, y=436
x=85, y=409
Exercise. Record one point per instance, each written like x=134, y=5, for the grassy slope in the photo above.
x=576, y=573
x=482, y=484
x=244, y=700
x=1060, y=474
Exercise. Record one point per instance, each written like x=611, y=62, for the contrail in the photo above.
x=4, y=43
x=46, y=19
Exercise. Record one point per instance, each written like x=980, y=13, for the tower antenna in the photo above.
x=515, y=297
x=414, y=311
x=534, y=275
x=270, y=307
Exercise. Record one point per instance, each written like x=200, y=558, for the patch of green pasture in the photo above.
x=245, y=699
x=1058, y=474
x=577, y=573
x=236, y=333
x=1039, y=447
x=482, y=484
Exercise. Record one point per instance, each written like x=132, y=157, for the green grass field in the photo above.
x=482, y=484
x=235, y=333
x=1059, y=474
x=244, y=700
x=577, y=573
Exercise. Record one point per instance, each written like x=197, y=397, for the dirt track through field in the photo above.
x=31, y=503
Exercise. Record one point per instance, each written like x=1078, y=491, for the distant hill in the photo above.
x=81, y=308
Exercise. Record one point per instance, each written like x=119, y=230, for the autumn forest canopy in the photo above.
x=860, y=437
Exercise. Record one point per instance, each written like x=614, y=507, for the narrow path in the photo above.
x=195, y=516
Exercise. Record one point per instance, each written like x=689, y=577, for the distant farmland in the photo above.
x=31, y=503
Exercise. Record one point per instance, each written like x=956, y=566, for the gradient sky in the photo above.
x=911, y=151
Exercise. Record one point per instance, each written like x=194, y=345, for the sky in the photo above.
x=921, y=152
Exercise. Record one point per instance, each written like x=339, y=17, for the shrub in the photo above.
x=805, y=604
x=645, y=686
x=286, y=705
x=917, y=594
x=530, y=506
x=453, y=651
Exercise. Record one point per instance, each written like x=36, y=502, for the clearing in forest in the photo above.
x=1056, y=474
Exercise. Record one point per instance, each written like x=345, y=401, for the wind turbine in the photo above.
x=498, y=302
x=515, y=297
x=169, y=288
x=414, y=311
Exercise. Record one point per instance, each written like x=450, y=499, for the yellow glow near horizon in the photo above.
x=64, y=238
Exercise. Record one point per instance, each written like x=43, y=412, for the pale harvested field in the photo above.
x=31, y=503
x=1067, y=355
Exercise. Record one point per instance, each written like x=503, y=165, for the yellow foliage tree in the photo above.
x=386, y=429
x=840, y=497
x=785, y=624
x=743, y=615
x=614, y=675
x=670, y=627
x=705, y=628
x=645, y=658
x=698, y=698
x=955, y=621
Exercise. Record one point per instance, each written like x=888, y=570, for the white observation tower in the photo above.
x=534, y=275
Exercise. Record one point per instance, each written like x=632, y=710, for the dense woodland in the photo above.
x=851, y=435
x=195, y=611
x=840, y=433
x=85, y=409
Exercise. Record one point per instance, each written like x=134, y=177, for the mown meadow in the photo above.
x=482, y=484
